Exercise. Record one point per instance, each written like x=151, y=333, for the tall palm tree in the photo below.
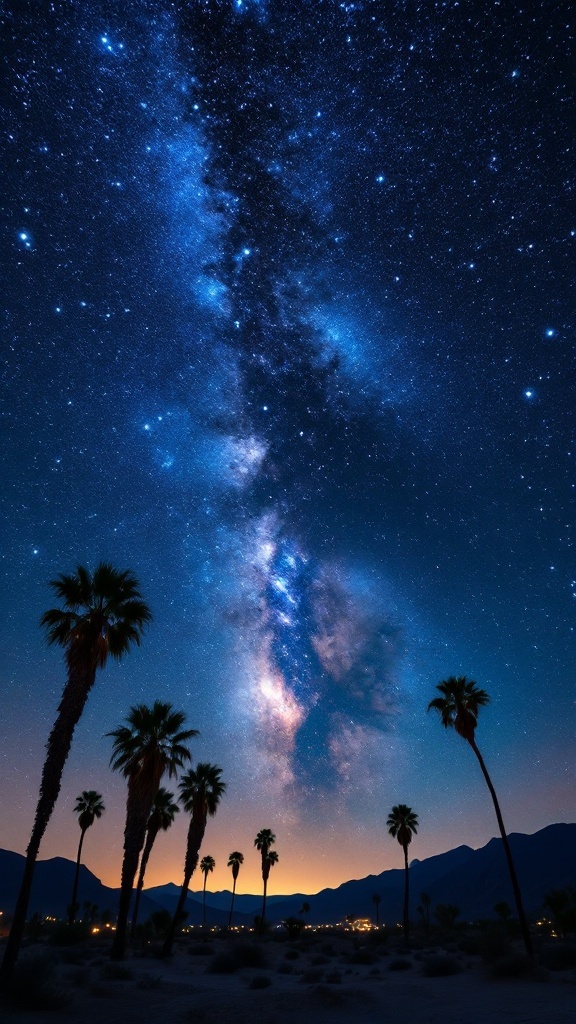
x=459, y=706
x=207, y=864
x=89, y=806
x=201, y=790
x=164, y=810
x=234, y=861
x=402, y=825
x=102, y=616
x=263, y=842
x=152, y=743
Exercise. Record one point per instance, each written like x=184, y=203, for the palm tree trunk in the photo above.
x=406, y=898
x=151, y=834
x=204, y=903
x=515, y=886
x=232, y=904
x=195, y=836
x=263, y=916
x=74, y=903
x=138, y=807
x=58, y=746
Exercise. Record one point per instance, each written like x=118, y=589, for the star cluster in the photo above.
x=289, y=331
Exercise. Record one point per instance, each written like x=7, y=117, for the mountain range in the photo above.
x=473, y=880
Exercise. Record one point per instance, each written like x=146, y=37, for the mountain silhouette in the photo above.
x=473, y=880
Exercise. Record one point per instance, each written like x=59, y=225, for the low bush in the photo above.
x=312, y=974
x=513, y=965
x=149, y=981
x=291, y=954
x=63, y=934
x=249, y=954
x=361, y=956
x=559, y=957
x=223, y=963
x=260, y=981
x=200, y=949
x=440, y=965
x=116, y=972
x=399, y=964
x=33, y=985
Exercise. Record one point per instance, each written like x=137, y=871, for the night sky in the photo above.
x=289, y=332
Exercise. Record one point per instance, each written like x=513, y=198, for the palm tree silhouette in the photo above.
x=402, y=825
x=102, y=616
x=89, y=806
x=263, y=841
x=201, y=790
x=164, y=810
x=459, y=706
x=234, y=861
x=152, y=743
x=207, y=864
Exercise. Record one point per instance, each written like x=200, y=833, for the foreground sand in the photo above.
x=182, y=991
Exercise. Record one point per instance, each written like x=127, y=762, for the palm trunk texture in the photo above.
x=195, y=837
x=406, y=898
x=515, y=886
x=58, y=746
x=232, y=904
x=139, y=805
x=149, y=843
x=74, y=903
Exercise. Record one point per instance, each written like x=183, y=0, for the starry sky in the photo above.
x=289, y=332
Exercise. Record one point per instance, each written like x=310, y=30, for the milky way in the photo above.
x=290, y=333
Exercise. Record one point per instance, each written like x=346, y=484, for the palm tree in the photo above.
x=152, y=743
x=264, y=840
x=459, y=706
x=102, y=615
x=376, y=900
x=164, y=810
x=201, y=790
x=402, y=825
x=207, y=864
x=89, y=806
x=234, y=861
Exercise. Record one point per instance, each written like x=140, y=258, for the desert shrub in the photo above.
x=512, y=965
x=327, y=996
x=378, y=937
x=334, y=977
x=440, y=965
x=319, y=960
x=149, y=981
x=291, y=954
x=116, y=972
x=494, y=946
x=374, y=972
x=286, y=969
x=201, y=949
x=223, y=963
x=80, y=977
x=33, y=986
x=328, y=948
x=312, y=974
x=64, y=934
x=249, y=954
x=470, y=945
x=559, y=957
x=260, y=981
x=400, y=964
x=361, y=956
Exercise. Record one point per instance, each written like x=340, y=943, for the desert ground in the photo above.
x=308, y=981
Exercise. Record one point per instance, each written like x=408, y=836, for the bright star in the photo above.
x=529, y=393
x=550, y=332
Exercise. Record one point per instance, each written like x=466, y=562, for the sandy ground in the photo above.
x=183, y=991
